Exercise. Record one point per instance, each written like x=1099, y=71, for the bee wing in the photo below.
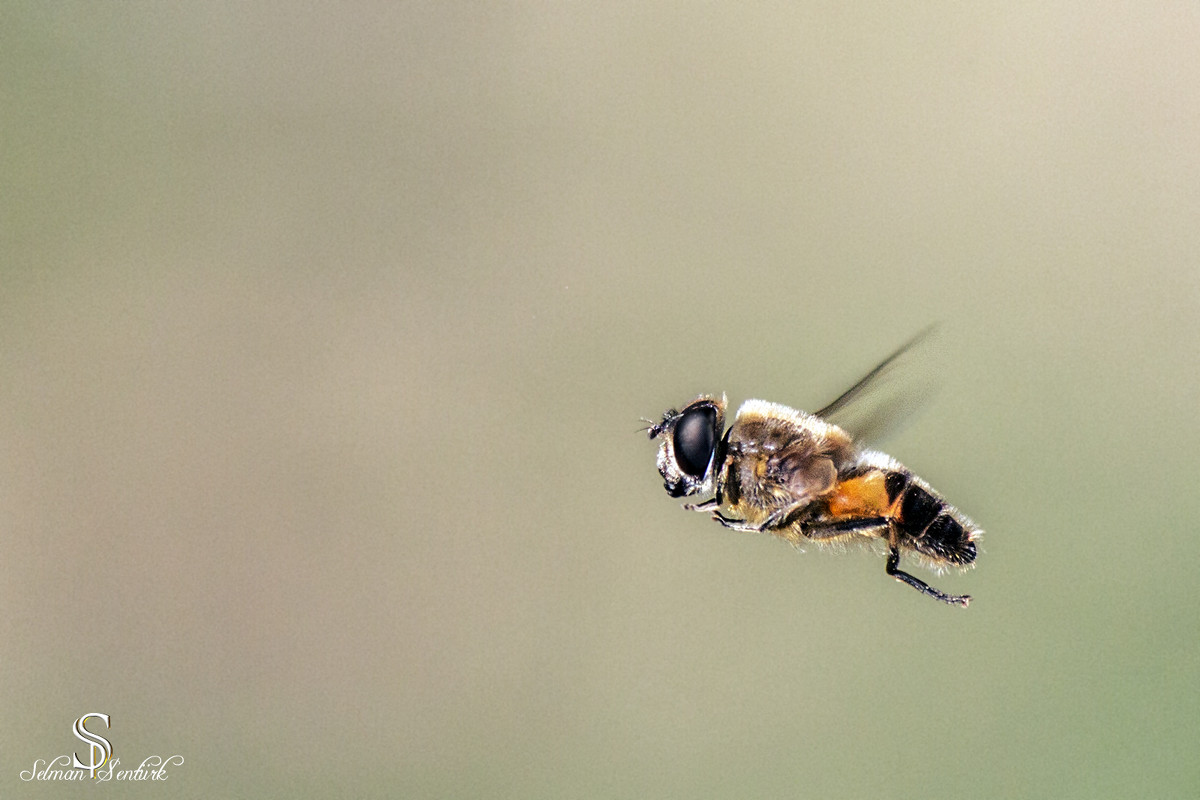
x=885, y=398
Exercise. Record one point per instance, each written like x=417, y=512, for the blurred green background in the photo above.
x=325, y=332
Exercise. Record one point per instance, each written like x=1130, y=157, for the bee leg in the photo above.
x=784, y=516
x=893, y=564
x=735, y=524
x=830, y=530
x=712, y=504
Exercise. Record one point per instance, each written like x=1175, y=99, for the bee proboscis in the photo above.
x=804, y=479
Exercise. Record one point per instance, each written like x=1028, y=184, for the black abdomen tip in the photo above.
x=946, y=540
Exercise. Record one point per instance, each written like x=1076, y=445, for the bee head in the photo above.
x=689, y=440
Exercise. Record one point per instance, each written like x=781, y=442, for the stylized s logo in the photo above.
x=94, y=742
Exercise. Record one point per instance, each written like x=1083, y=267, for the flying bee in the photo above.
x=802, y=478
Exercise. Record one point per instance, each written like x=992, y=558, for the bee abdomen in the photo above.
x=927, y=523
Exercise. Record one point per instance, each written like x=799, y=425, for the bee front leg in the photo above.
x=735, y=524
x=709, y=505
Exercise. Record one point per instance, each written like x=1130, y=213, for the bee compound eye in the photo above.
x=695, y=438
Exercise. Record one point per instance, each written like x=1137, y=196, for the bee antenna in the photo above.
x=650, y=427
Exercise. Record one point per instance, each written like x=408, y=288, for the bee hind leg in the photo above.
x=893, y=569
x=831, y=530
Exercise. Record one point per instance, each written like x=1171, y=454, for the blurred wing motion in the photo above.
x=887, y=397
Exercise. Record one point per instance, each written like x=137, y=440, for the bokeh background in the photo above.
x=325, y=332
